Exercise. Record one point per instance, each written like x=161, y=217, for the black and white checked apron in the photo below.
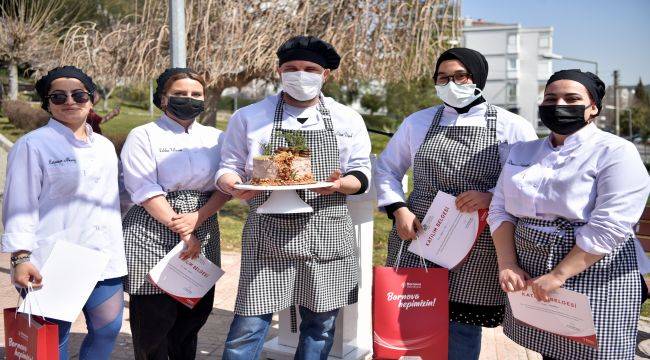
x=456, y=159
x=612, y=285
x=304, y=259
x=147, y=241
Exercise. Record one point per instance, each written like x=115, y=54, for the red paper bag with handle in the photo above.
x=27, y=338
x=410, y=315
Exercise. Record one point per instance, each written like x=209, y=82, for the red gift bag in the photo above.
x=410, y=315
x=24, y=339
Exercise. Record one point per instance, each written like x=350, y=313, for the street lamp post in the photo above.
x=562, y=57
x=177, y=32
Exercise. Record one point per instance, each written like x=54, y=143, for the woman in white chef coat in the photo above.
x=55, y=174
x=458, y=148
x=562, y=216
x=303, y=260
x=169, y=167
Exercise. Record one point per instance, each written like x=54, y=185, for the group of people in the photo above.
x=561, y=208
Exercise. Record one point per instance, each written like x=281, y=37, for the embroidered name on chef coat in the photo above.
x=62, y=162
x=169, y=149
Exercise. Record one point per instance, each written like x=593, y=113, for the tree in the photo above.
x=28, y=36
x=640, y=95
x=406, y=97
x=233, y=42
x=372, y=102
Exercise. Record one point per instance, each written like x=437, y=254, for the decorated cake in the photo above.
x=289, y=165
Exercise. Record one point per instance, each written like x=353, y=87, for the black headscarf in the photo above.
x=309, y=48
x=591, y=82
x=45, y=82
x=162, y=80
x=476, y=65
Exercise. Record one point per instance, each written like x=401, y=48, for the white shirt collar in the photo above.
x=576, y=139
x=65, y=131
x=479, y=109
x=170, y=124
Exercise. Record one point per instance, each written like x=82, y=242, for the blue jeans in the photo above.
x=103, y=312
x=247, y=335
x=464, y=341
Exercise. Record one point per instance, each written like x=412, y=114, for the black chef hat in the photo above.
x=162, y=80
x=45, y=82
x=309, y=48
x=473, y=60
x=591, y=82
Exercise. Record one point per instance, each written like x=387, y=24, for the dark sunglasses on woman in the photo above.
x=59, y=98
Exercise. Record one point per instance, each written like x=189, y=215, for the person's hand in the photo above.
x=335, y=178
x=473, y=200
x=544, y=285
x=512, y=278
x=184, y=224
x=26, y=274
x=192, y=247
x=406, y=224
x=227, y=183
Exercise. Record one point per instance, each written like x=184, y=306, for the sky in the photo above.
x=614, y=33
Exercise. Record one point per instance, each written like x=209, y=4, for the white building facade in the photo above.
x=518, y=69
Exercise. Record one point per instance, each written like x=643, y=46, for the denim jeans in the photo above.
x=464, y=341
x=247, y=334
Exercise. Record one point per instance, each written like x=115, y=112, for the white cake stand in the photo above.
x=284, y=199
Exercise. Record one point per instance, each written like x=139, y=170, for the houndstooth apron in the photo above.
x=304, y=259
x=455, y=159
x=147, y=241
x=612, y=285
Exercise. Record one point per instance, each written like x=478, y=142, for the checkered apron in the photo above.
x=612, y=285
x=455, y=159
x=147, y=241
x=304, y=259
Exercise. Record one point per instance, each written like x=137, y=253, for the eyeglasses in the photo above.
x=80, y=97
x=459, y=78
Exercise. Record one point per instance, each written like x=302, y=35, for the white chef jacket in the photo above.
x=399, y=154
x=57, y=184
x=160, y=157
x=251, y=126
x=595, y=177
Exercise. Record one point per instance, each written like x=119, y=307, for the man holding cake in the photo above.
x=305, y=260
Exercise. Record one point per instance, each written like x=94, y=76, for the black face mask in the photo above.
x=563, y=119
x=185, y=108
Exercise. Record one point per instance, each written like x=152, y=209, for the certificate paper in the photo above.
x=70, y=273
x=185, y=280
x=568, y=314
x=448, y=234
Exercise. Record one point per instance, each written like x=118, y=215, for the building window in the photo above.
x=544, y=41
x=511, y=93
x=513, y=64
x=513, y=43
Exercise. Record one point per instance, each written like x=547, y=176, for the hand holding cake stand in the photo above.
x=284, y=199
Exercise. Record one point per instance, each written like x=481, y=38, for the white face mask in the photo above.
x=302, y=85
x=456, y=95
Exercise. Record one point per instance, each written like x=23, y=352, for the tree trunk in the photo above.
x=13, y=80
x=209, y=116
x=107, y=95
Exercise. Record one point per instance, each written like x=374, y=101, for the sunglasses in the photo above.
x=80, y=97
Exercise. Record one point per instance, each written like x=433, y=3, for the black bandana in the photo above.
x=162, y=80
x=44, y=83
x=591, y=82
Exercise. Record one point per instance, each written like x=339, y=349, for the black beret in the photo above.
x=45, y=82
x=162, y=80
x=590, y=81
x=309, y=48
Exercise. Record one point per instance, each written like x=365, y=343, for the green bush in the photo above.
x=133, y=95
x=227, y=103
x=372, y=102
x=381, y=122
x=24, y=115
x=404, y=98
